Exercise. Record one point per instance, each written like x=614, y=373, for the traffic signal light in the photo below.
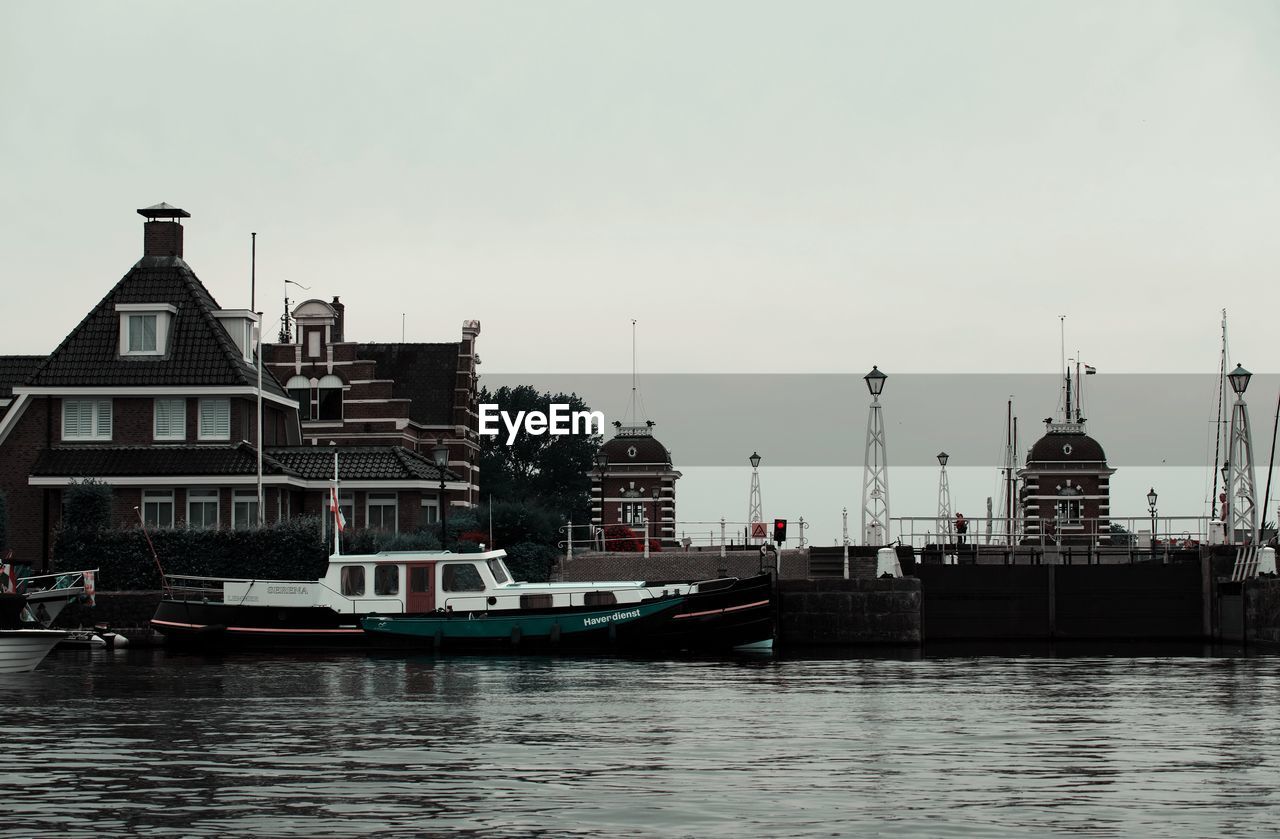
x=779, y=530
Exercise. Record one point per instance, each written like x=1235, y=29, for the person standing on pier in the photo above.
x=962, y=527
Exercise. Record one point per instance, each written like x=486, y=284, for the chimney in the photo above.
x=162, y=238
x=340, y=324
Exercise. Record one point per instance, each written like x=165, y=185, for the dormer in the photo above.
x=316, y=321
x=239, y=324
x=145, y=328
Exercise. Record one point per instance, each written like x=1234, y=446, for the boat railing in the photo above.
x=66, y=583
x=191, y=587
x=497, y=601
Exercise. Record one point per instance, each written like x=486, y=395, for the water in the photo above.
x=149, y=743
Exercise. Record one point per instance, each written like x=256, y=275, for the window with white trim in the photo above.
x=430, y=510
x=144, y=327
x=171, y=419
x=244, y=509
x=329, y=398
x=215, y=419
x=202, y=509
x=299, y=388
x=157, y=507
x=86, y=419
x=381, y=511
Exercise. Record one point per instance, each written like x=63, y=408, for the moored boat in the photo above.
x=461, y=601
x=22, y=650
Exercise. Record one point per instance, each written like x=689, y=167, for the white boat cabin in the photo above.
x=416, y=582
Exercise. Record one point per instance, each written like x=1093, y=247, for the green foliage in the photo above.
x=530, y=562
x=553, y=472
x=1121, y=536
x=373, y=541
x=86, y=507
x=290, y=550
x=4, y=522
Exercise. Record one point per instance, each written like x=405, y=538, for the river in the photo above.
x=146, y=742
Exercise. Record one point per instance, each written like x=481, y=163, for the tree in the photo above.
x=553, y=472
x=87, y=507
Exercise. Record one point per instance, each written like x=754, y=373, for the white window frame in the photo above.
x=99, y=420
x=207, y=434
x=430, y=510
x=203, y=496
x=157, y=497
x=163, y=314
x=248, y=499
x=382, y=499
x=171, y=405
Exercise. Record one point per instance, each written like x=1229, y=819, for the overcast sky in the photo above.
x=766, y=187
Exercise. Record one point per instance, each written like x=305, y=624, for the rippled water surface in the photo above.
x=146, y=742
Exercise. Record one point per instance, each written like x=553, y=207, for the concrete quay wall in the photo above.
x=843, y=612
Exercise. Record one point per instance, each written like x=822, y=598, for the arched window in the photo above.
x=299, y=388
x=329, y=398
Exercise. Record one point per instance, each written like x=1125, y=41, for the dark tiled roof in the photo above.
x=200, y=351
x=425, y=374
x=160, y=461
x=358, y=463
x=648, y=450
x=16, y=369
x=1079, y=448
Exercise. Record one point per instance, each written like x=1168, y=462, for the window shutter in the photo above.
x=215, y=419
x=72, y=422
x=103, y=429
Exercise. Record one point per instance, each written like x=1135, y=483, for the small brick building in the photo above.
x=637, y=485
x=1066, y=487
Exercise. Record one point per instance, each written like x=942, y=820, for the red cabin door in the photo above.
x=421, y=594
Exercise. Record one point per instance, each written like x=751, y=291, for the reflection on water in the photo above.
x=1162, y=741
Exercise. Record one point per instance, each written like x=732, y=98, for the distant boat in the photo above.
x=444, y=600
x=22, y=650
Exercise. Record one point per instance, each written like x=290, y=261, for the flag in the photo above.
x=90, y=591
x=1089, y=371
x=338, y=518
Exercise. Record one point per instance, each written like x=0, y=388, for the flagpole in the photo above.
x=337, y=511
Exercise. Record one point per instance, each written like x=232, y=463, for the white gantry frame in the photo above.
x=875, y=481
x=1242, y=495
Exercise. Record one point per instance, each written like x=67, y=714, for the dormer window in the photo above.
x=144, y=328
x=241, y=325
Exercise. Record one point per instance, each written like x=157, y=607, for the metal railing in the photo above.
x=1121, y=531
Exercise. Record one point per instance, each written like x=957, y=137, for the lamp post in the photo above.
x=1151, y=508
x=875, y=478
x=441, y=455
x=944, y=500
x=1242, y=504
x=656, y=528
x=756, y=512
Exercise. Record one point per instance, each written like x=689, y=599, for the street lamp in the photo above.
x=1239, y=378
x=875, y=381
x=755, y=511
x=655, y=510
x=755, y=460
x=441, y=455
x=875, y=475
x=1151, y=508
x=944, y=501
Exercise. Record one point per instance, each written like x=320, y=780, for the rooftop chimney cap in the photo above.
x=163, y=210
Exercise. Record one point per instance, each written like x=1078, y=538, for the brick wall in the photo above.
x=26, y=503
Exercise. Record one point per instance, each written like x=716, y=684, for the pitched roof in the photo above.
x=158, y=461
x=310, y=463
x=358, y=463
x=16, y=369
x=425, y=374
x=201, y=352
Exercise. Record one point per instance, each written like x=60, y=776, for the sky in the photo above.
x=809, y=187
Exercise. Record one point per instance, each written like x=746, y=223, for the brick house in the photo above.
x=1066, y=487
x=156, y=393
x=636, y=484
x=409, y=394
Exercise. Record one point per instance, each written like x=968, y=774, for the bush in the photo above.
x=373, y=541
x=86, y=507
x=531, y=562
x=290, y=550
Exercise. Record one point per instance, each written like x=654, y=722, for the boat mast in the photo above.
x=1219, y=437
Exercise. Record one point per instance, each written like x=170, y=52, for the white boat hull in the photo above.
x=22, y=650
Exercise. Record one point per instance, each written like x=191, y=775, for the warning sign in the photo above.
x=758, y=530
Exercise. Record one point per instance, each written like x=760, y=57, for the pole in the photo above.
x=443, y=511
x=262, y=513
x=253, y=272
x=1271, y=462
x=646, y=540
x=568, y=544
x=844, y=515
x=722, y=536
x=336, y=499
